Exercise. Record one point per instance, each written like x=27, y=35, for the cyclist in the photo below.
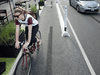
x=31, y=27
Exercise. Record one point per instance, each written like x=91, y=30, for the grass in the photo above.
x=9, y=64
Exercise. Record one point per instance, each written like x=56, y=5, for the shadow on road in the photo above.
x=49, y=54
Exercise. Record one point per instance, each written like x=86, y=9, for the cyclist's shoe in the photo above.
x=38, y=44
x=31, y=52
x=30, y=48
x=33, y=49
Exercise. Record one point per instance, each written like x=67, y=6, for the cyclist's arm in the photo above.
x=29, y=36
x=17, y=37
x=29, y=29
x=29, y=33
x=17, y=33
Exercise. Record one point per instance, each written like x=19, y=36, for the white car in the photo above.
x=86, y=6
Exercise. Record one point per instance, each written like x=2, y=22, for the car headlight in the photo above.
x=98, y=5
x=81, y=4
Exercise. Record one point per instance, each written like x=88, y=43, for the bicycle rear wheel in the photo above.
x=22, y=70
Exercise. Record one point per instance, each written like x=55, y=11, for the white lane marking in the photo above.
x=81, y=48
x=49, y=5
x=82, y=51
x=60, y=19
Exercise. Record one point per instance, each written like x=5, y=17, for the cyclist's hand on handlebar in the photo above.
x=25, y=45
x=17, y=44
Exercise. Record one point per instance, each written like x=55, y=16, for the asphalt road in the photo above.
x=62, y=55
x=87, y=29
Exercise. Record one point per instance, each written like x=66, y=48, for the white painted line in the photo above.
x=45, y=2
x=81, y=48
x=60, y=19
x=49, y=5
x=40, y=11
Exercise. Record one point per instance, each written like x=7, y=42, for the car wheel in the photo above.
x=77, y=8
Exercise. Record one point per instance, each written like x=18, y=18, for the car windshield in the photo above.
x=86, y=0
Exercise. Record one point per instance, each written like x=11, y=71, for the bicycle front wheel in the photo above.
x=21, y=68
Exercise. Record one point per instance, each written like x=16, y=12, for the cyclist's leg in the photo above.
x=30, y=45
x=33, y=38
x=26, y=31
x=34, y=31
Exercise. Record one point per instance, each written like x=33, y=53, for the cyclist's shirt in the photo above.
x=28, y=21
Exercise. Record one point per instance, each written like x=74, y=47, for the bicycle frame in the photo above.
x=24, y=52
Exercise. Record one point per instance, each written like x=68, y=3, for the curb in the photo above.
x=20, y=53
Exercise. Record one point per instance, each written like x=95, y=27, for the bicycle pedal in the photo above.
x=31, y=52
x=25, y=68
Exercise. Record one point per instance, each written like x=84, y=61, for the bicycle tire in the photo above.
x=23, y=71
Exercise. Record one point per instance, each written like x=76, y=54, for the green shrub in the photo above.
x=41, y=0
x=7, y=34
x=33, y=8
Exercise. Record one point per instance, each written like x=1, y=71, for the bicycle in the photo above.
x=24, y=64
